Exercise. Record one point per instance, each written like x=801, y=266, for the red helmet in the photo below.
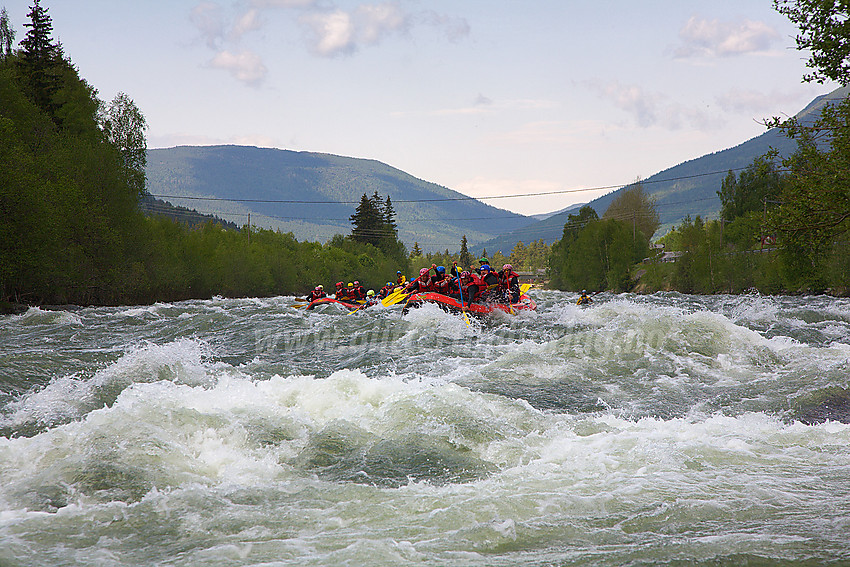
x=423, y=272
x=464, y=274
x=339, y=284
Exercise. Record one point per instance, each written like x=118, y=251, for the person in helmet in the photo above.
x=386, y=290
x=509, y=283
x=341, y=291
x=317, y=293
x=400, y=279
x=359, y=291
x=491, y=283
x=439, y=283
x=420, y=284
x=470, y=287
x=370, y=298
x=482, y=261
x=584, y=299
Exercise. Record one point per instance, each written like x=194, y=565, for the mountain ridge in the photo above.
x=313, y=194
x=687, y=189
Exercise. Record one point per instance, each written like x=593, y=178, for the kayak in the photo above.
x=350, y=305
x=447, y=303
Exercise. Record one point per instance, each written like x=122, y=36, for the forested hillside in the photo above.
x=72, y=173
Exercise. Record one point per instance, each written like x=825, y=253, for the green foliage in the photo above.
x=633, y=205
x=596, y=254
x=824, y=33
x=751, y=191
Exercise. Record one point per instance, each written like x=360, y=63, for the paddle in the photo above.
x=394, y=297
x=460, y=289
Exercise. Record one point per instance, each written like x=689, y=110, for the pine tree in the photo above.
x=416, y=250
x=389, y=218
x=368, y=222
x=465, y=259
x=40, y=58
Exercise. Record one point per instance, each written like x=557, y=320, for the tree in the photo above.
x=416, y=250
x=825, y=33
x=7, y=35
x=389, y=217
x=124, y=126
x=464, y=258
x=747, y=192
x=39, y=57
x=368, y=222
x=633, y=205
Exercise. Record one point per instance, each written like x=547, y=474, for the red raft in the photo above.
x=350, y=305
x=447, y=303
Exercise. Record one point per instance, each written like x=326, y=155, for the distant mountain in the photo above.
x=313, y=195
x=549, y=230
x=689, y=188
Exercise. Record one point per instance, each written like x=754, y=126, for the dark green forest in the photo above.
x=71, y=227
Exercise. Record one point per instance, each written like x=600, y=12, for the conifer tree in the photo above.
x=465, y=259
x=39, y=59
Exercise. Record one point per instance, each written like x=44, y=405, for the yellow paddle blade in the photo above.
x=524, y=288
x=393, y=298
x=390, y=300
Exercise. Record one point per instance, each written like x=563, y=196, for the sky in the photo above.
x=489, y=98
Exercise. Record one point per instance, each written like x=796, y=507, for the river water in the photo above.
x=642, y=430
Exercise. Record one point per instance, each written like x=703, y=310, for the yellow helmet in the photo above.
x=350, y=284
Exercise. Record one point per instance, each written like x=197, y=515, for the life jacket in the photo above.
x=385, y=291
x=401, y=280
x=441, y=284
x=509, y=280
x=316, y=294
x=342, y=293
x=359, y=292
x=418, y=285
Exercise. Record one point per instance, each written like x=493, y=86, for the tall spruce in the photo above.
x=39, y=59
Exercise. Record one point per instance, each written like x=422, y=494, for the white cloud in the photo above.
x=332, y=33
x=713, y=38
x=342, y=32
x=209, y=21
x=650, y=109
x=245, y=66
x=247, y=22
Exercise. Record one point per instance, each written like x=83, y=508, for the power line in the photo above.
x=448, y=199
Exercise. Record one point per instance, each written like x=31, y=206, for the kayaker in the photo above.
x=584, y=299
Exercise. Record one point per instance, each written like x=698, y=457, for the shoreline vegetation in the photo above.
x=73, y=230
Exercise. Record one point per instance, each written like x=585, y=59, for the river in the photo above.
x=642, y=430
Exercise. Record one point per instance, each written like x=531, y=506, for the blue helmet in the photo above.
x=486, y=267
x=441, y=269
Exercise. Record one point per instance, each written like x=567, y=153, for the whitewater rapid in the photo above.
x=662, y=429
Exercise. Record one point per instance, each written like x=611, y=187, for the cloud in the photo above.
x=340, y=32
x=330, y=31
x=650, y=109
x=208, y=19
x=246, y=66
x=713, y=38
x=757, y=104
x=343, y=33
